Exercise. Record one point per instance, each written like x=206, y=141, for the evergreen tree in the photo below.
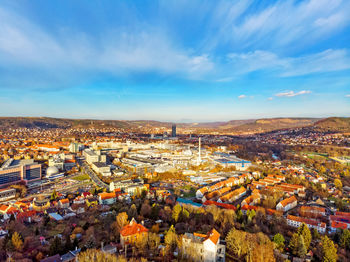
x=329, y=251
x=345, y=239
x=56, y=246
x=301, y=250
x=315, y=234
x=75, y=243
x=293, y=243
x=68, y=244
x=132, y=212
x=305, y=232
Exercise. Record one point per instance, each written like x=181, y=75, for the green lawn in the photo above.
x=313, y=155
x=81, y=177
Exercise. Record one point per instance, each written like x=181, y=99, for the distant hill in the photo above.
x=249, y=126
x=271, y=124
x=47, y=122
x=334, y=124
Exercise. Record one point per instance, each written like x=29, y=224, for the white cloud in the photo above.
x=242, y=96
x=287, y=22
x=292, y=93
x=270, y=98
x=347, y=95
x=326, y=61
x=24, y=44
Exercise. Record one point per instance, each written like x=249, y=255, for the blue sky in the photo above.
x=175, y=60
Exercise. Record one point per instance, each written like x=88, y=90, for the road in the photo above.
x=94, y=177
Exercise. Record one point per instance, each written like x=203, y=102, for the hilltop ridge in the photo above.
x=249, y=126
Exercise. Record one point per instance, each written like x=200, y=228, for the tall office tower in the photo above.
x=199, y=151
x=173, y=131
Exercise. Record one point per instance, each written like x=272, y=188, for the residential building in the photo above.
x=296, y=221
x=63, y=203
x=203, y=248
x=132, y=232
x=312, y=211
x=107, y=198
x=287, y=204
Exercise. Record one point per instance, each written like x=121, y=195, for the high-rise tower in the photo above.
x=173, y=131
x=199, y=151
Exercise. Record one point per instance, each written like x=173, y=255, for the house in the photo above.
x=3, y=233
x=200, y=247
x=311, y=211
x=233, y=195
x=86, y=195
x=253, y=199
x=296, y=221
x=78, y=208
x=216, y=194
x=63, y=203
x=79, y=200
x=340, y=217
x=287, y=204
x=335, y=225
x=106, y=198
x=132, y=232
x=8, y=210
x=201, y=192
x=26, y=216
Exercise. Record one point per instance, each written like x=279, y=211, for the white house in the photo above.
x=295, y=221
x=203, y=248
x=200, y=192
x=287, y=204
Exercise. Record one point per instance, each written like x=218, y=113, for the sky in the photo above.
x=183, y=61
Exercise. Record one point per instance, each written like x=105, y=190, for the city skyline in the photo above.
x=175, y=60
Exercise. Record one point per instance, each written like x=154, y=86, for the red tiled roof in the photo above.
x=214, y=236
x=287, y=201
x=25, y=214
x=64, y=201
x=306, y=221
x=107, y=195
x=226, y=206
x=343, y=214
x=340, y=225
x=133, y=228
